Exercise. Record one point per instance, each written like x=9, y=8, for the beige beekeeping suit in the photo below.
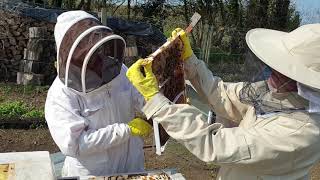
x=277, y=146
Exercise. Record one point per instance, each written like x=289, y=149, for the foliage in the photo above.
x=275, y=14
x=20, y=102
x=227, y=21
x=156, y=11
x=18, y=109
x=87, y=5
x=7, y=88
x=34, y=114
x=13, y=109
x=223, y=25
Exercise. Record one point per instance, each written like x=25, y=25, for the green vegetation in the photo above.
x=34, y=114
x=13, y=109
x=223, y=24
x=9, y=88
x=22, y=102
x=19, y=110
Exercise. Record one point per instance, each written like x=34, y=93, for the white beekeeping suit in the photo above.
x=91, y=101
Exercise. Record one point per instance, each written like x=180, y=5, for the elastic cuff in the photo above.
x=127, y=129
x=155, y=103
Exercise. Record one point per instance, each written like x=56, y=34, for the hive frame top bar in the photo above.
x=194, y=20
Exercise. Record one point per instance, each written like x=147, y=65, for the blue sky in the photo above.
x=309, y=10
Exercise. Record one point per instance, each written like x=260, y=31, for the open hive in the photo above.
x=167, y=66
x=161, y=176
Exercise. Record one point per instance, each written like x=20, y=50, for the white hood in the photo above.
x=89, y=55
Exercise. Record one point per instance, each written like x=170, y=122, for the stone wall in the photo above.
x=14, y=38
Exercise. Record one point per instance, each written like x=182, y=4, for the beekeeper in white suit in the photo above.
x=90, y=107
x=277, y=107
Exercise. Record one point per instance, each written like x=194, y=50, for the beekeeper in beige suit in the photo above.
x=277, y=108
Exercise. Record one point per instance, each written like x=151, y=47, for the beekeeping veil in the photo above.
x=295, y=55
x=89, y=55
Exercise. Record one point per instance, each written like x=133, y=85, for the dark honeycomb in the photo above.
x=168, y=66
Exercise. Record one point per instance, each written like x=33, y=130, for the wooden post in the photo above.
x=104, y=15
x=131, y=51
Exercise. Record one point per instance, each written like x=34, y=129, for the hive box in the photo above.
x=26, y=165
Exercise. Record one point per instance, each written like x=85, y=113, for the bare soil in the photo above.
x=17, y=140
x=175, y=156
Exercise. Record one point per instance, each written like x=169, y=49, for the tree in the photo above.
x=235, y=13
x=128, y=7
x=229, y=20
x=273, y=14
x=153, y=11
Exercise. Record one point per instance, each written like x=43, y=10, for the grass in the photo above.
x=8, y=88
x=34, y=114
x=22, y=102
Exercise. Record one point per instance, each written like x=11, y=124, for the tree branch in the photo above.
x=118, y=7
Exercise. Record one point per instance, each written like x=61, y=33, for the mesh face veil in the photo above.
x=258, y=91
x=90, y=56
x=254, y=71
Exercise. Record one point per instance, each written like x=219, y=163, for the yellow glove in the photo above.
x=139, y=127
x=146, y=84
x=187, y=50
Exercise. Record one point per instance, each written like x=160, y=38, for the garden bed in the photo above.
x=22, y=107
x=22, y=123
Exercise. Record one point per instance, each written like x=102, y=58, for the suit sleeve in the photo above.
x=222, y=97
x=188, y=125
x=267, y=147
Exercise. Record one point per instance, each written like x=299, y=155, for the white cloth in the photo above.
x=312, y=95
x=91, y=130
x=66, y=20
